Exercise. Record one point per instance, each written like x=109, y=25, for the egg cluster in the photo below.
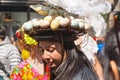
x=55, y=23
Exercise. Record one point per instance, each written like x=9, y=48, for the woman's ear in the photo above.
x=64, y=55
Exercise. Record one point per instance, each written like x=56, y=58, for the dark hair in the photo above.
x=73, y=64
x=2, y=33
x=75, y=60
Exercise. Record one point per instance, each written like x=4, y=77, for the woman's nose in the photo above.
x=47, y=57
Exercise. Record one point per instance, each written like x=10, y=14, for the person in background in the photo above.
x=13, y=36
x=112, y=48
x=9, y=55
x=13, y=41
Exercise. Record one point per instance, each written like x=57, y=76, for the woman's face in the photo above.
x=51, y=52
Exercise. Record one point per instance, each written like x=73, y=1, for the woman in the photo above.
x=66, y=61
x=56, y=46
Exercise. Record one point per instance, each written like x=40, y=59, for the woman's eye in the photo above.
x=50, y=49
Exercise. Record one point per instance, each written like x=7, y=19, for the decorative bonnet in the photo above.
x=57, y=22
x=94, y=11
x=48, y=27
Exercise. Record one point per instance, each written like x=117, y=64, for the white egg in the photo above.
x=35, y=23
x=64, y=22
x=27, y=26
x=58, y=18
x=75, y=23
x=81, y=25
x=44, y=23
x=34, y=19
x=48, y=18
